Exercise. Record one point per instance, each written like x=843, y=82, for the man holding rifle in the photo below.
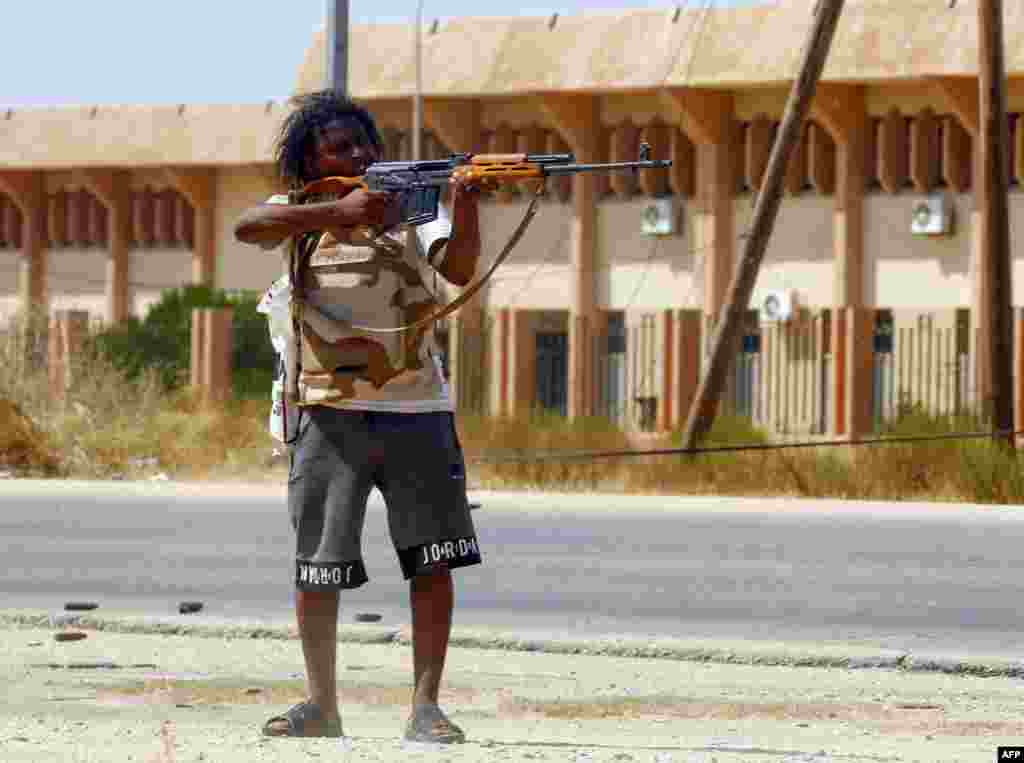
x=365, y=380
x=372, y=403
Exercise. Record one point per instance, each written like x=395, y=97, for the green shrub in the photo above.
x=727, y=429
x=914, y=420
x=989, y=473
x=161, y=341
x=253, y=357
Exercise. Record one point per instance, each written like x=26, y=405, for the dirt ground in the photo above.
x=116, y=696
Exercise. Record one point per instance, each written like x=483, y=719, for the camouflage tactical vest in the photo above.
x=377, y=283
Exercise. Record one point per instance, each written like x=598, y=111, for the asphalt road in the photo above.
x=946, y=578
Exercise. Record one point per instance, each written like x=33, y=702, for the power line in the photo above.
x=543, y=456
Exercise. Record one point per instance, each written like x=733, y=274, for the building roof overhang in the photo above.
x=739, y=47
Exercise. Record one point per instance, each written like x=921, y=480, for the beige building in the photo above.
x=102, y=207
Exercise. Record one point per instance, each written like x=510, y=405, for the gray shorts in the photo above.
x=414, y=459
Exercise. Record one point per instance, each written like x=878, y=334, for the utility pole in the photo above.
x=337, y=46
x=417, y=108
x=995, y=218
x=730, y=320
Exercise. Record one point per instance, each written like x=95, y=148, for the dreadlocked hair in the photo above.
x=312, y=113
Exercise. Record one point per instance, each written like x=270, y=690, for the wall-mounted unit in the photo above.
x=659, y=217
x=778, y=306
x=932, y=216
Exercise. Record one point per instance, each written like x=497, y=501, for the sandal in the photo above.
x=429, y=724
x=303, y=720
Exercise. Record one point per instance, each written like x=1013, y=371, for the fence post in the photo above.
x=196, y=350
x=522, y=348
x=67, y=331
x=686, y=361
x=860, y=329
x=500, y=363
x=1018, y=371
x=210, y=360
x=664, y=331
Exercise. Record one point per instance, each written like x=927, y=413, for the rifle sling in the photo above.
x=470, y=291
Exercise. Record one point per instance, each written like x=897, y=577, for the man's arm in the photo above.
x=463, y=249
x=267, y=225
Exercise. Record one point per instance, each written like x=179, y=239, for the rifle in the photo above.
x=419, y=183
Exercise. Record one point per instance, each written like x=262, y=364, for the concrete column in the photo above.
x=842, y=112
x=204, y=249
x=118, y=264
x=111, y=188
x=715, y=220
x=198, y=186
x=522, y=362
x=707, y=117
x=859, y=358
x=27, y=191
x=210, y=359
x=577, y=119
x=583, y=312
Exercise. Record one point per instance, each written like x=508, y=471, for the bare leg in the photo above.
x=432, y=597
x=432, y=601
x=317, y=616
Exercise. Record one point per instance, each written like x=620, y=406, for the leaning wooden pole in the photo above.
x=997, y=322
x=705, y=403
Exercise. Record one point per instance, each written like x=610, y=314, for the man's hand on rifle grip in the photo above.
x=378, y=209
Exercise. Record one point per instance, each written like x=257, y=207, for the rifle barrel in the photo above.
x=568, y=169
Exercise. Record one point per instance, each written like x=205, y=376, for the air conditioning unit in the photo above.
x=778, y=306
x=932, y=216
x=659, y=217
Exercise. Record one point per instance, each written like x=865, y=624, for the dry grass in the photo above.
x=890, y=719
x=934, y=720
x=107, y=426
x=533, y=432
x=176, y=691
x=969, y=470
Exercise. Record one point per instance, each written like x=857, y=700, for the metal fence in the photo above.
x=921, y=361
x=781, y=379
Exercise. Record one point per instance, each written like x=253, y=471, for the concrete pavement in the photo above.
x=193, y=689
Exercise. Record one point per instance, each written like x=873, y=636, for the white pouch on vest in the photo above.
x=276, y=305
